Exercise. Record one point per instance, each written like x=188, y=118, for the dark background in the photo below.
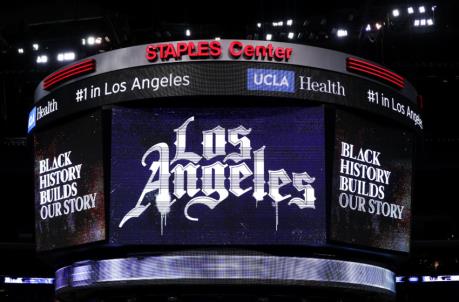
x=427, y=56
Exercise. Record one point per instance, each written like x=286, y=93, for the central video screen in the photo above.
x=218, y=176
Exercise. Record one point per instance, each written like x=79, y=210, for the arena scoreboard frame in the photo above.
x=224, y=144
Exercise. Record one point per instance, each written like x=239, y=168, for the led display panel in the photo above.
x=371, y=184
x=69, y=184
x=218, y=176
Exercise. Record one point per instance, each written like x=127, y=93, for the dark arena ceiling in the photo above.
x=39, y=37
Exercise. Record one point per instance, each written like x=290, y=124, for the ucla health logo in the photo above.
x=32, y=119
x=270, y=80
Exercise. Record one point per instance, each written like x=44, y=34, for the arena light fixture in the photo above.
x=269, y=37
x=28, y=280
x=395, y=12
x=66, y=56
x=442, y=278
x=410, y=10
x=188, y=33
x=69, y=56
x=42, y=59
x=413, y=279
x=91, y=40
x=290, y=35
x=422, y=9
x=341, y=33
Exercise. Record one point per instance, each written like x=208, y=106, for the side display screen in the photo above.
x=69, y=191
x=218, y=176
x=372, y=179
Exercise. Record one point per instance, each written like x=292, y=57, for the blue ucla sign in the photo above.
x=270, y=80
x=32, y=119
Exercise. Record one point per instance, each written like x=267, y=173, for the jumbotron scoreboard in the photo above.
x=247, y=145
